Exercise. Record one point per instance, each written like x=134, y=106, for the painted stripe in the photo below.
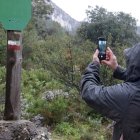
x=11, y=42
x=13, y=47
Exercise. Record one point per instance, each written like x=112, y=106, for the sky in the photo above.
x=76, y=8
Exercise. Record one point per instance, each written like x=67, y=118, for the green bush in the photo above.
x=34, y=81
x=36, y=106
x=82, y=130
x=2, y=89
x=2, y=81
x=67, y=129
x=56, y=110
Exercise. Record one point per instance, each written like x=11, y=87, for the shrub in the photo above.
x=66, y=128
x=56, y=110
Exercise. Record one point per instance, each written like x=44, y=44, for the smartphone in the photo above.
x=102, y=48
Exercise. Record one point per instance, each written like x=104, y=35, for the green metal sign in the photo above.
x=15, y=14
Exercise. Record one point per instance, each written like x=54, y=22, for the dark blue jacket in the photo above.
x=120, y=102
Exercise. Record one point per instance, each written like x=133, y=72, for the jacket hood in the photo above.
x=132, y=56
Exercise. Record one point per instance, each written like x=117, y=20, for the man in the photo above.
x=120, y=102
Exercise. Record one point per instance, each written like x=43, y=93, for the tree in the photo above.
x=122, y=27
x=41, y=9
x=3, y=45
x=64, y=57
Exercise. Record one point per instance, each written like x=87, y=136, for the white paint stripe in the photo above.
x=11, y=42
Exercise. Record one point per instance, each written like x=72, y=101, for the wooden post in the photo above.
x=13, y=75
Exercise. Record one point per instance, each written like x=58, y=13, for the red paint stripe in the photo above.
x=13, y=47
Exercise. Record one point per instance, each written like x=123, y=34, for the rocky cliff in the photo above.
x=64, y=19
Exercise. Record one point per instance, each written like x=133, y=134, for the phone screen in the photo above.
x=102, y=45
x=102, y=48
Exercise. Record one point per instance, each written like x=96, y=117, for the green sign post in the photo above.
x=14, y=16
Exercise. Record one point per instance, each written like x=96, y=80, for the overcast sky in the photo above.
x=77, y=8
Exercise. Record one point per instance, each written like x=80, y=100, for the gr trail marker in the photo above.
x=14, y=16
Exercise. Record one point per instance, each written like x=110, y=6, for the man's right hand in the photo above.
x=111, y=60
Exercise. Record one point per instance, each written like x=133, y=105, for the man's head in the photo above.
x=132, y=56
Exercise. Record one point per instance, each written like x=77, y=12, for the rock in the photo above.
x=38, y=120
x=42, y=134
x=50, y=95
x=22, y=130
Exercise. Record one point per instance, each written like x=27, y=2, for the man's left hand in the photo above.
x=95, y=56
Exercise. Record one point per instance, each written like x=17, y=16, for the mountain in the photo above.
x=64, y=19
x=138, y=30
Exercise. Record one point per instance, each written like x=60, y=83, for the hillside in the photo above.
x=63, y=18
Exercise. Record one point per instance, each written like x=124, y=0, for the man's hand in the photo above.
x=111, y=60
x=95, y=56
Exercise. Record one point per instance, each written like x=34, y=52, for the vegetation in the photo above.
x=120, y=26
x=53, y=60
